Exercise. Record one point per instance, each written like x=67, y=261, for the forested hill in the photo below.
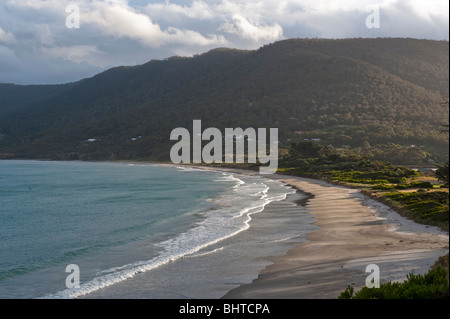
x=377, y=96
x=15, y=97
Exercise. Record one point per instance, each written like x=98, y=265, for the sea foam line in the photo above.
x=205, y=253
x=174, y=248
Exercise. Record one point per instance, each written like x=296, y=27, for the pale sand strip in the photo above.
x=354, y=231
x=332, y=257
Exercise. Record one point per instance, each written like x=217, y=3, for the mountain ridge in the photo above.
x=349, y=91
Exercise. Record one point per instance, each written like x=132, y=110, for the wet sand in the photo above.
x=354, y=231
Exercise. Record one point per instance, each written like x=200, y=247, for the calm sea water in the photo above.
x=139, y=231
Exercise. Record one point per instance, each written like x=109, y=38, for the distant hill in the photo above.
x=16, y=97
x=366, y=94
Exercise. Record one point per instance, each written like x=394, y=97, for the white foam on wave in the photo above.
x=284, y=239
x=230, y=216
x=190, y=169
x=205, y=253
x=229, y=178
x=234, y=178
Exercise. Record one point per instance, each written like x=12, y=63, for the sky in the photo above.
x=61, y=41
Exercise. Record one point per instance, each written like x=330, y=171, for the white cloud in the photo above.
x=427, y=10
x=6, y=37
x=252, y=30
x=121, y=20
x=246, y=20
x=176, y=13
x=76, y=53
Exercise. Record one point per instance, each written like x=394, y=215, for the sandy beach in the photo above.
x=354, y=231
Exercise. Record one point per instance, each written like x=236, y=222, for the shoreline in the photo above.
x=353, y=232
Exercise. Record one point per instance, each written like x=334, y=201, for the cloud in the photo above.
x=76, y=53
x=243, y=21
x=34, y=37
x=416, y=19
x=36, y=68
x=254, y=31
x=342, y=19
x=121, y=20
x=198, y=10
x=6, y=37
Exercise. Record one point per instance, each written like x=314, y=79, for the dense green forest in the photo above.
x=380, y=98
x=13, y=97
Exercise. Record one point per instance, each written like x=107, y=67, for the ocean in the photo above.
x=139, y=230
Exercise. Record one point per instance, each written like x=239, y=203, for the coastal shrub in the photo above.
x=442, y=173
x=432, y=285
x=384, y=187
x=421, y=197
x=397, y=180
x=427, y=207
x=443, y=262
x=421, y=185
x=424, y=185
x=383, y=176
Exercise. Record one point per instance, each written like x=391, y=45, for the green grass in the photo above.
x=411, y=185
x=384, y=176
x=426, y=207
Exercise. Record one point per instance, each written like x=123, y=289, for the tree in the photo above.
x=442, y=173
x=304, y=149
x=445, y=104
